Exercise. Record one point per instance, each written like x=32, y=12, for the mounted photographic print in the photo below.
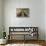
x=22, y=12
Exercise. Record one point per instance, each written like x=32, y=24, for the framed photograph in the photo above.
x=22, y=12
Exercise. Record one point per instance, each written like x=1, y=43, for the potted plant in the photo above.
x=3, y=37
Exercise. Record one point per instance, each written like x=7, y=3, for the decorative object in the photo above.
x=22, y=12
x=4, y=35
x=3, y=41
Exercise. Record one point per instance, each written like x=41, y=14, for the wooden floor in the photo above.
x=25, y=43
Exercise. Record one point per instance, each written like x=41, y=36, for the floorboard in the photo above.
x=25, y=43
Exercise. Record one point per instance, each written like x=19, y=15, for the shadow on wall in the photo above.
x=1, y=34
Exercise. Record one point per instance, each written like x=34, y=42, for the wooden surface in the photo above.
x=24, y=33
x=28, y=42
x=32, y=32
x=21, y=45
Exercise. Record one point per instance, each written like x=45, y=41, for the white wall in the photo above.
x=45, y=19
x=0, y=10
x=0, y=18
x=36, y=15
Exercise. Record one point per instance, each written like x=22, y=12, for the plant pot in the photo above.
x=3, y=41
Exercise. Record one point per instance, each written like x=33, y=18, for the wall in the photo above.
x=36, y=15
x=0, y=18
x=45, y=19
